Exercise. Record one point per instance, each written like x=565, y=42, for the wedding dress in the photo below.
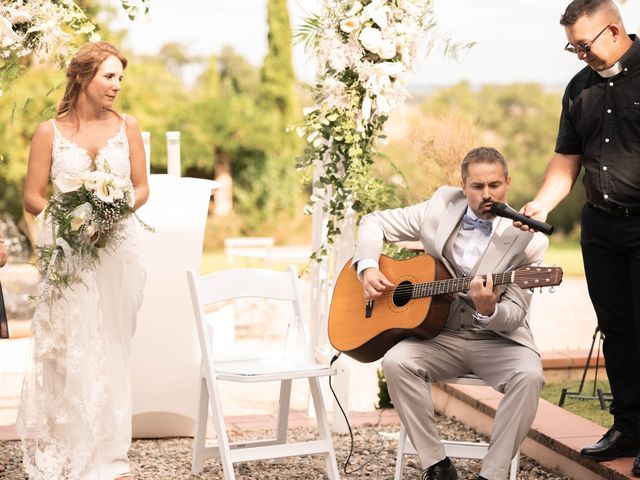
x=75, y=413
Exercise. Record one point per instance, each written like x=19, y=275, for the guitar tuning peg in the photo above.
x=552, y=290
x=531, y=291
x=540, y=289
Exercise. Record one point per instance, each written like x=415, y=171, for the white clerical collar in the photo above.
x=494, y=220
x=611, y=71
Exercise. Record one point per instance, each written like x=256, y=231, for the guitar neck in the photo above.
x=452, y=285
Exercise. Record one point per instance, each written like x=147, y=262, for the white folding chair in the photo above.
x=455, y=449
x=294, y=361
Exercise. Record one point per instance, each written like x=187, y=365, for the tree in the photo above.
x=237, y=74
x=278, y=79
x=520, y=120
x=28, y=102
x=155, y=96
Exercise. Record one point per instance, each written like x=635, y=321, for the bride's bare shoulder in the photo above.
x=43, y=132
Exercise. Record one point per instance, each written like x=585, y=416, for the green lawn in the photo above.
x=567, y=256
x=589, y=409
x=214, y=260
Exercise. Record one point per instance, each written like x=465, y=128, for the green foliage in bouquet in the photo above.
x=82, y=218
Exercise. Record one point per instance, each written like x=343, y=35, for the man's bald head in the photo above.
x=590, y=8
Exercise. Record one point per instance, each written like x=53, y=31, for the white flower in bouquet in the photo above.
x=91, y=230
x=67, y=183
x=7, y=35
x=108, y=187
x=378, y=12
x=366, y=108
x=387, y=50
x=383, y=104
x=408, y=6
x=355, y=8
x=80, y=216
x=371, y=38
x=389, y=69
x=350, y=24
x=400, y=28
x=104, y=190
x=20, y=16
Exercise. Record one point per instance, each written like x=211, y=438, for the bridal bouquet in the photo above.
x=85, y=215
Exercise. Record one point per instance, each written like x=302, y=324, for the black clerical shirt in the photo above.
x=601, y=121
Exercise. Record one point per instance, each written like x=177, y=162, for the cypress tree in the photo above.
x=278, y=79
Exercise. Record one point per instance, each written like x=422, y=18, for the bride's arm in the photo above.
x=38, y=170
x=138, y=162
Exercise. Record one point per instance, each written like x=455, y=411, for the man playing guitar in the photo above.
x=486, y=332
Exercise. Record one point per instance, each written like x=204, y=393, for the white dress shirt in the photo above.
x=469, y=245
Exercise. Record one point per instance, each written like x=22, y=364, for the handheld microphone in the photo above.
x=503, y=210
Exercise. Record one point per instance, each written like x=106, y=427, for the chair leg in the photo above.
x=515, y=466
x=402, y=441
x=200, y=438
x=330, y=460
x=282, y=421
x=221, y=430
x=283, y=411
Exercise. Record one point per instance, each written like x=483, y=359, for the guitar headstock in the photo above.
x=537, y=276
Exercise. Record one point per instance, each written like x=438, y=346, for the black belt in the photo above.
x=615, y=210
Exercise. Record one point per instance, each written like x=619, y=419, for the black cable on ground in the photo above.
x=372, y=456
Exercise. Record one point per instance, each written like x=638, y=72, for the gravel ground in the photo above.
x=373, y=458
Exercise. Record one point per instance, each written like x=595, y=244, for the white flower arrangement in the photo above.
x=364, y=49
x=45, y=30
x=37, y=27
x=84, y=216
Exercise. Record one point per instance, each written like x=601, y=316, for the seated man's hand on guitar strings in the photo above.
x=484, y=294
x=374, y=283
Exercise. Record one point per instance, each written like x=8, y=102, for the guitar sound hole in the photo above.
x=402, y=294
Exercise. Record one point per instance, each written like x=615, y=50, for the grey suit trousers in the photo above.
x=509, y=367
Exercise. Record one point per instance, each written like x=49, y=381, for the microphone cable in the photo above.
x=373, y=455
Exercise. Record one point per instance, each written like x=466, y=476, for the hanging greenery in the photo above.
x=364, y=50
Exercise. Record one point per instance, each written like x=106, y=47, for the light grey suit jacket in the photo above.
x=432, y=222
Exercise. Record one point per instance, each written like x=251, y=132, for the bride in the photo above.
x=75, y=411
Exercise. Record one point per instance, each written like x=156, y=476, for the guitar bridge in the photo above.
x=368, y=309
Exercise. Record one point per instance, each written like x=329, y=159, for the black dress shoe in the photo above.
x=635, y=469
x=443, y=470
x=614, y=444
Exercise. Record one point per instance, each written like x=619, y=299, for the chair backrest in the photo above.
x=239, y=283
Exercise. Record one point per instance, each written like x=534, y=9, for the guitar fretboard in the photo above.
x=451, y=285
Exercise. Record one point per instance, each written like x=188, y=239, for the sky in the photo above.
x=516, y=40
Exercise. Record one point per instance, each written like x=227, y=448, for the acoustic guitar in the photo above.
x=417, y=305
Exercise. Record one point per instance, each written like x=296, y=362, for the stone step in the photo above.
x=555, y=438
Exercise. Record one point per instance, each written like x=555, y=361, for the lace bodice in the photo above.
x=70, y=158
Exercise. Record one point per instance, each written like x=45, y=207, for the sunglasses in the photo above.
x=583, y=47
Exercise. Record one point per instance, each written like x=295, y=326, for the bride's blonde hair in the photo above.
x=83, y=67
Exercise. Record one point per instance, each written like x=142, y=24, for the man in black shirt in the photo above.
x=600, y=131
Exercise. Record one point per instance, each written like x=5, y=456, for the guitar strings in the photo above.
x=499, y=279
